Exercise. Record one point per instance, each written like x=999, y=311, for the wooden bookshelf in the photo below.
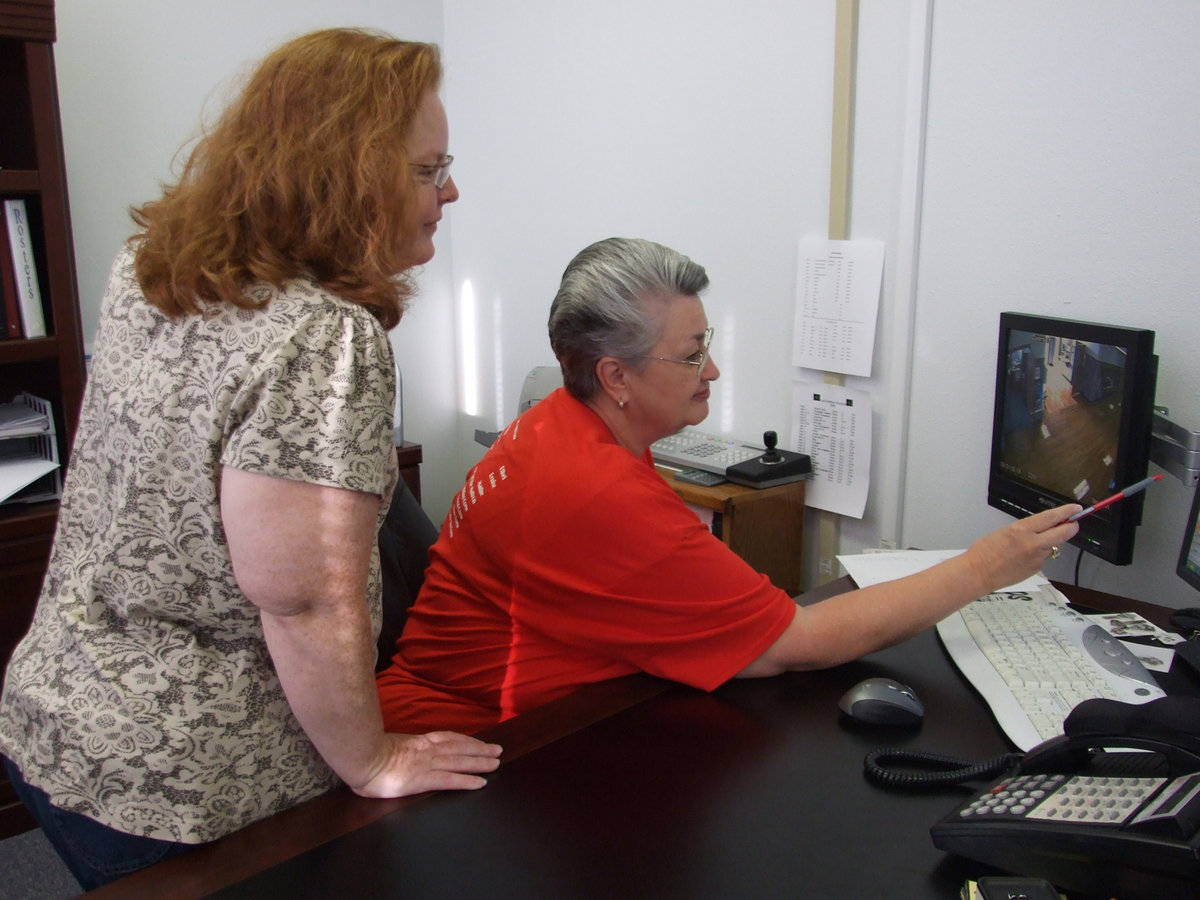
x=51, y=367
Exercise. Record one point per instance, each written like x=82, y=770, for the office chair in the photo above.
x=407, y=534
x=539, y=383
x=404, y=542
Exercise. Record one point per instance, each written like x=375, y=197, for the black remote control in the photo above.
x=700, y=477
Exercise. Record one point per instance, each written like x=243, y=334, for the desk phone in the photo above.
x=1112, y=807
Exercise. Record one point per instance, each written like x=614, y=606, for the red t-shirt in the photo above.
x=566, y=560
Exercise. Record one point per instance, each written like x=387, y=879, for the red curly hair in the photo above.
x=306, y=173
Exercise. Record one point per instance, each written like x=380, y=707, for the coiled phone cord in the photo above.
x=915, y=769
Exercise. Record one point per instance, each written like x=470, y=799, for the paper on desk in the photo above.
x=1131, y=625
x=1156, y=659
x=1133, y=630
x=18, y=473
x=873, y=568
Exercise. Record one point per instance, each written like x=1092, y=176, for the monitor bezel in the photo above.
x=1181, y=569
x=1108, y=534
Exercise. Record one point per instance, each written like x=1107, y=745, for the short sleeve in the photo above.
x=318, y=404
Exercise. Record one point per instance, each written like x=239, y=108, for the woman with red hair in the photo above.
x=202, y=654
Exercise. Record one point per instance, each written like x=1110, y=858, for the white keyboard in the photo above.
x=1033, y=659
x=690, y=449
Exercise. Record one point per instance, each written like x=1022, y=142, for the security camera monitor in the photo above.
x=1073, y=409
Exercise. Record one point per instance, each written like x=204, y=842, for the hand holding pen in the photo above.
x=1120, y=495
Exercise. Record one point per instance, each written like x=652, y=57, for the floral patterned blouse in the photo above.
x=143, y=695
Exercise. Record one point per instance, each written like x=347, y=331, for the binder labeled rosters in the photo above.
x=29, y=290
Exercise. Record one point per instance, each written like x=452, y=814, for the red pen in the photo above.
x=1108, y=501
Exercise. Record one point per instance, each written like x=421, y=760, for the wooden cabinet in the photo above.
x=764, y=527
x=51, y=367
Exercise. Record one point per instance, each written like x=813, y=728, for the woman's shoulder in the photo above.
x=299, y=313
x=300, y=300
x=304, y=296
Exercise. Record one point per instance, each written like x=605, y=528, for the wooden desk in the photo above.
x=641, y=788
x=764, y=527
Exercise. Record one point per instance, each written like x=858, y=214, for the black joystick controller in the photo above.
x=774, y=467
x=770, y=439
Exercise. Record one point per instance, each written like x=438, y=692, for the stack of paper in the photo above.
x=27, y=449
x=20, y=473
x=19, y=419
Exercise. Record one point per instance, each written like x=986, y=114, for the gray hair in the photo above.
x=601, y=308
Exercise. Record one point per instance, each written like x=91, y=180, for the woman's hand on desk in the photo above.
x=1013, y=553
x=438, y=761
x=301, y=553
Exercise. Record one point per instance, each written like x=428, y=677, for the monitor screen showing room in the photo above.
x=1072, y=417
x=1189, y=554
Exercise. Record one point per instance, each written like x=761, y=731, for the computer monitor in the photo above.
x=1072, y=417
x=1189, y=555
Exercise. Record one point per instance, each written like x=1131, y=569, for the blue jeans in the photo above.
x=95, y=853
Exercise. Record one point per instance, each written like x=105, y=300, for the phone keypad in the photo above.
x=1063, y=798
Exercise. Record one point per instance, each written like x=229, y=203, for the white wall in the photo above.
x=705, y=127
x=1060, y=178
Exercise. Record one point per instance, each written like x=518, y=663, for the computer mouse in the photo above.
x=882, y=701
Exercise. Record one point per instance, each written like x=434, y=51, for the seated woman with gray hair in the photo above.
x=566, y=558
